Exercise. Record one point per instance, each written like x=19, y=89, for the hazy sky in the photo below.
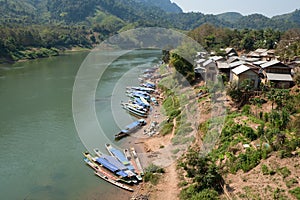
x=266, y=7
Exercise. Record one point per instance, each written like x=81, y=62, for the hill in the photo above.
x=161, y=13
x=231, y=17
x=165, y=5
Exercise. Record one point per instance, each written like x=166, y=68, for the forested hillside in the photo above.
x=28, y=24
x=140, y=12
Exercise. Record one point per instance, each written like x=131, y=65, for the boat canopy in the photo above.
x=114, y=161
x=119, y=155
x=132, y=125
x=122, y=174
x=107, y=165
x=125, y=131
x=139, y=102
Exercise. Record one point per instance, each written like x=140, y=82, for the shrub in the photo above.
x=151, y=177
x=206, y=194
x=246, y=110
x=284, y=171
x=166, y=128
x=265, y=170
x=296, y=192
x=291, y=182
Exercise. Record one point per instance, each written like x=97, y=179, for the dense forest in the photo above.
x=56, y=24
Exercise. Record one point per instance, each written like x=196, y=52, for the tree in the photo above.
x=183, y=67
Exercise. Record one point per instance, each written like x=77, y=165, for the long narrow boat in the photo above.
x=133, y=163
x=145, y=101
x=137, y=160
x=141, y=103
x=101, y=162
x=135, y=105
x=115, y=162
x=135, y=112
x=118, y=154
x=143, y=89
x=105, y=176
x=114, y=182
x=130, y=128
x=98, y=169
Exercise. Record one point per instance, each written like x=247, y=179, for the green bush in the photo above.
x=296, y=192
x=166, y=128
x=206, y=194
x=290, y=183
x=246, y=110
x=265, y=170
x=151, y=177
x=284, y=171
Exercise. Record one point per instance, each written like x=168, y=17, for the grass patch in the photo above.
x=166, y=128
x=153, y=174
x=284, y=171
x=296, y=192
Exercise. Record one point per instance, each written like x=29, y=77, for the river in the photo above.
x=40, y=151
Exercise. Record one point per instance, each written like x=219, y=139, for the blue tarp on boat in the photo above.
x=107, y=165
x=121, y=173
x=132, y=125
x=119, y=155
x=139, y=102
x=114, y=161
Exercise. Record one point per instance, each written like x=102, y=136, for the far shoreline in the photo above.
x=60, y=52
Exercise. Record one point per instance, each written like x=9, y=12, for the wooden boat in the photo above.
x=133, y=163
x=141, y=103
x=137, y=161
x=136, y=106
x=145, y=101
x=97, y=168
x=150, y=90
x=117, y=153
x=120, y=185
x=135, y=112
x=130, y=128
x=105, y=165
x=115, y=162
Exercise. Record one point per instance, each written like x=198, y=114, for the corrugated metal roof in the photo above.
x=261, y=62
x=232, y=59
x=279, y=77
x=237, y=63
x=240, y=69
x=260, y=50
x=216, y=58
x=268, y=64
x=199, y=61
x=207, y=62
x=223, y=65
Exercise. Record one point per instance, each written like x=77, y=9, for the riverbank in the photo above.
x=37, y=53
x=159, y=149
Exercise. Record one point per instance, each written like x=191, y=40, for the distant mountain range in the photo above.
x=131, y=13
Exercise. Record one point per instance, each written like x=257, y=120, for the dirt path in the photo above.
x=167, y=189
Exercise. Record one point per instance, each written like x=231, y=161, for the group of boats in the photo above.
x=140, y=99
x=121, y=168
x=139, y=104
x=118, y=168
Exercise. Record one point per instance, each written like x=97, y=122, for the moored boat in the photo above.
x=114, y=182
x=133, y=163
x=137, y=161
x=115, y=162
x=143, y=89
x=130, y=128
x=98, y=168
x=135, y=112
x=117, y=153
